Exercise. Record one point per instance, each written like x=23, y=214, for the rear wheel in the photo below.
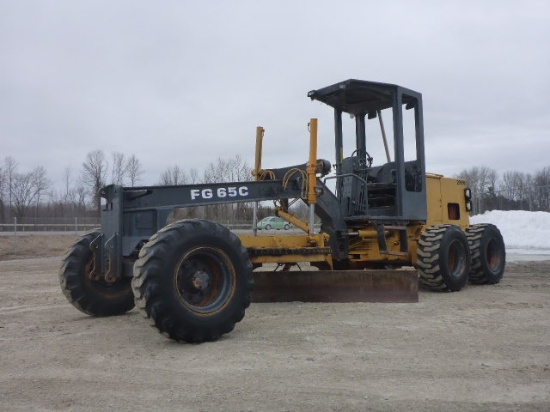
x=488, y=254
x=193, y=279
x=443, y=258
x=93, y=297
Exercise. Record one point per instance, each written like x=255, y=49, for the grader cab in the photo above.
x=379, y=211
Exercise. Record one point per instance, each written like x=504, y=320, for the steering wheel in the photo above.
x=368, y=160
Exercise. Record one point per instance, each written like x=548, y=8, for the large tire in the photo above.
x=95, y=298
x=488, y=254
x=193, y=280
x=443, y=258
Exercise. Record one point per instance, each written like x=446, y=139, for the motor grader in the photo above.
x=194, y=278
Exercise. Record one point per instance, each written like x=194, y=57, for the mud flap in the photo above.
x=336, y=286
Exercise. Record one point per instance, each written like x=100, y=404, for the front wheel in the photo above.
x=93, y=297
x=193, y=279
x=488, y=254
x=443, y=258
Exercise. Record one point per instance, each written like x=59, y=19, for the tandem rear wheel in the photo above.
x=488, y=254
x=443, y=258
x=447, y=258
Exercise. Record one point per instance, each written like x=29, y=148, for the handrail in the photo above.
x=345, y=175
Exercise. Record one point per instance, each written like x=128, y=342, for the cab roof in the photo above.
x=361, y=97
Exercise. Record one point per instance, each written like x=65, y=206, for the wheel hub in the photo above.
x=200, y=280
x=494, y=256
x=456, y=259
x=204, y=279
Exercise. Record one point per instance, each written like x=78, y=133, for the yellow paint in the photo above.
x=440, y=192
x=312, y=164
x=363, y=247
x=288, y=242
x=258, y=157
x=292, y=218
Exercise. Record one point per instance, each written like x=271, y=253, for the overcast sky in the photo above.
x=186, y=82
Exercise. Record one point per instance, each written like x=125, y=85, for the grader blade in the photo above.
x=336, y=286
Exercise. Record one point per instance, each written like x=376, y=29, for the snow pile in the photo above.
x=523, y=232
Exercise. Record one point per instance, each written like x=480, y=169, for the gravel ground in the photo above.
x=486, y=348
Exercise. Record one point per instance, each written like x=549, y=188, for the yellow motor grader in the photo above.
x=194, y=278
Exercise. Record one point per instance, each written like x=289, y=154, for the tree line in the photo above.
x=31, y=194
x=511, y=191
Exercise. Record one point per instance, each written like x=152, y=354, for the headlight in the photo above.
x=468, y=193
x=469, y=205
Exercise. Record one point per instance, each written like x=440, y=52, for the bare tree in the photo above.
x=71, y=198
x=10, y=170
x=173, y=176
x=118, y=168
x=510, y=185
x=69, y=192
x=67, y=184
x=28, y=189
x=194, y=176
x=134, y=170
x=21, y=193
x=79, y=196
x=239, y=169
x=541, y=190
x=94, y=174
x=227, y=170
x=2, y=191
x=480, y=179
x=40, y=184
x=516, y=188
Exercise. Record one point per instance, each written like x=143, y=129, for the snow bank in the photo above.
x=523, y=232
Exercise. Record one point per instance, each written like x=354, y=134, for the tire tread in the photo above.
x=148, y=271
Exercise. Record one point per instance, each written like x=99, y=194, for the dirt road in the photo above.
x=482, y=349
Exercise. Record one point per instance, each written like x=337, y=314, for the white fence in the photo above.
x=75, y=225
x=78, y=225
